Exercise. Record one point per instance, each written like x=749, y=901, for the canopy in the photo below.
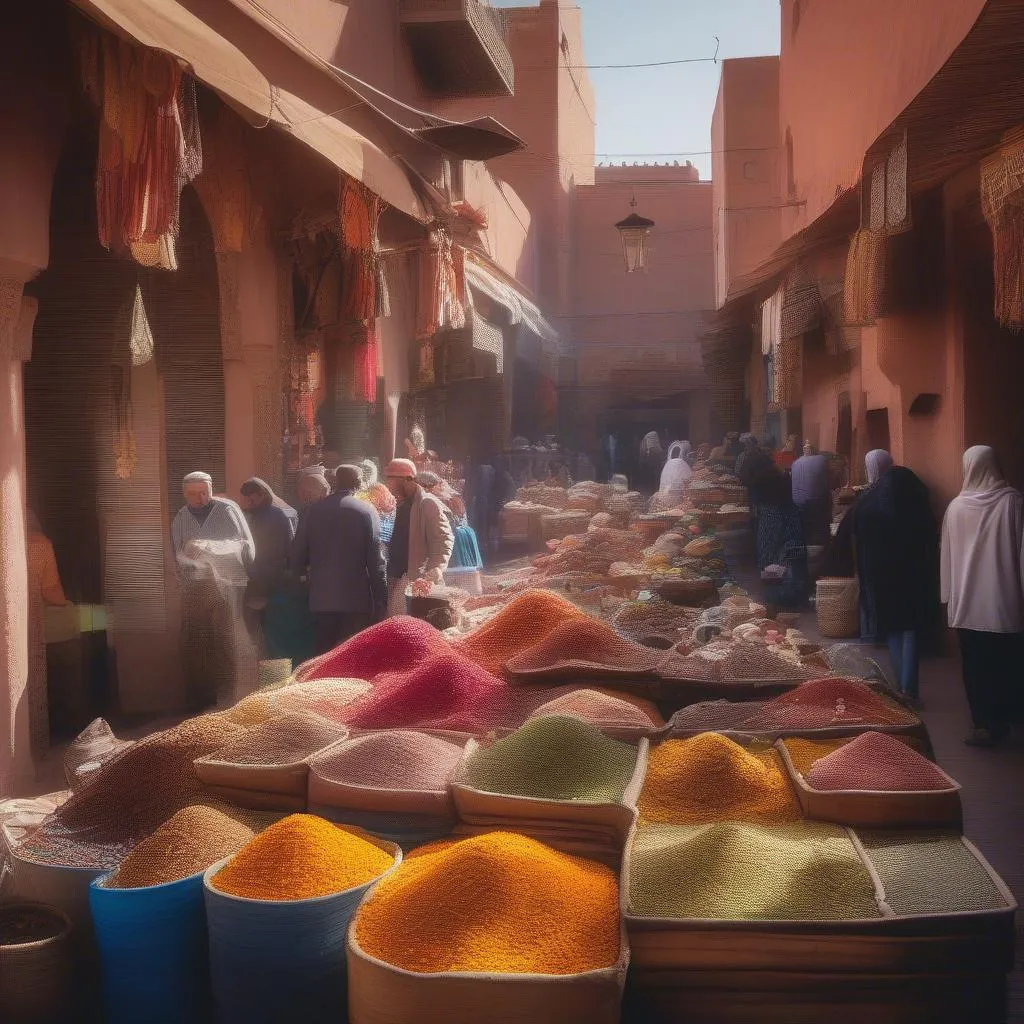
x=169, y=26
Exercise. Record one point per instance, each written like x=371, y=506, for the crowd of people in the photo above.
x=261, y=576
x=905, y=565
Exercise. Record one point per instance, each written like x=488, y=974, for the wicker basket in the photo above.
x=37, y=977
x=838, y=604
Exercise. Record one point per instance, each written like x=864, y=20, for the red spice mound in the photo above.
x=524, y=621
x=875, y=761
x=823, y=703
x=586, y=644
x=394, y=645
x=445, y=691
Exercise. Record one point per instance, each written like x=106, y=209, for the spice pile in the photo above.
x=301, y=857
x=556, y=758
x=184, y=845
x=396, y=759
x=802, y=871
x=605, y=710
x=876, y=762
x=711, y=778
x=286, y=740
x=328, y=698
x=498, y=903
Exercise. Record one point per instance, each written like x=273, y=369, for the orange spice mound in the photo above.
x=524, y=621
x=498, y=902
x=709, y=777
x=299, y=858
x=587, y=643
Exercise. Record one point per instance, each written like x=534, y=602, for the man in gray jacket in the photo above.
x=338, y=545
x=422, y=540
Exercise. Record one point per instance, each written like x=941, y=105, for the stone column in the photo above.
x=17, y=317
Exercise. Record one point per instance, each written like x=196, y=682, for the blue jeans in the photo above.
x=903, y=654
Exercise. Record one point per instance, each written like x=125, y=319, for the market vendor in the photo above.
x=214, y=552
x=422, y=540
x=812, y=494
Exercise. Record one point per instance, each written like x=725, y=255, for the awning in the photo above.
x=169, y=26
x=521, y=310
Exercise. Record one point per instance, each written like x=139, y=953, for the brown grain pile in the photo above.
x=186, y=844
x=285, y=740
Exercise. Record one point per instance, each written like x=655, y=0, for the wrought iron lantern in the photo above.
x=634, y=232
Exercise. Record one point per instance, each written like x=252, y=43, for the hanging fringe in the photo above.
x=865, y=277
x=1002, y=202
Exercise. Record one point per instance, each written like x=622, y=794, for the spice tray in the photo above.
x=380, y=993
x=938, y=808
x=918, y=943
x=257, y=786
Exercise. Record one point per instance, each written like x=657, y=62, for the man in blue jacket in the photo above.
x=338, y=546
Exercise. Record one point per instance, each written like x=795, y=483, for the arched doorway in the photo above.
x=107, y=514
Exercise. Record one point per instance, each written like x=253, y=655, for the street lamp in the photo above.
x=634, y=231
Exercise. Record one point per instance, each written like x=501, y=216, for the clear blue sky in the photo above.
x=678, y=123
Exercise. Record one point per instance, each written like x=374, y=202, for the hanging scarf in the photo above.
x=358, y=212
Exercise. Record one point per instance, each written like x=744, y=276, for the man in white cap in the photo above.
x=422, y=540
x=214, y=550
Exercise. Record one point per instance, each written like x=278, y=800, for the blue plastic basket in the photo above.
x=153, y=951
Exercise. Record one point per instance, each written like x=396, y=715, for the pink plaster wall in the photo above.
x=625, y=319
x=847, y=70
x=745, y=162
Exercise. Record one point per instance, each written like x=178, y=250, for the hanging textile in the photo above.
x=771, y=320
x=1002, y=203
x=801, y=304
x=788, y=373
x=141, y=338
x=358, y=213
x=865, y=277
x=360, y=343
x=441, y=295
x=149, y=145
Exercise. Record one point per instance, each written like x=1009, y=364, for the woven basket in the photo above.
x=939, y=808
x=382, y=994
x=838, y=605
x=36, y=978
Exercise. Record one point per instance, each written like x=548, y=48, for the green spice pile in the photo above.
x=555, y=758
x=801, y=871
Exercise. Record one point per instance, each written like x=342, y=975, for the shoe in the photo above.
x=980, y=738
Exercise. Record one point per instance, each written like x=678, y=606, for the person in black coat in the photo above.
x=338, y=544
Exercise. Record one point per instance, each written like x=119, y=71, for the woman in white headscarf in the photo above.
x=983, y=587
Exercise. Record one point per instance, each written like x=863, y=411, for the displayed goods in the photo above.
x=465, y=578
x=397, y=644
x=876, y=780
x=584, y=646
x=712, y=778
x=397, y=771
x=838, y=604
x=553, y=758
x=153, y=950
x=563, y=524
x=610, y=712
x=712, y=716
x=803, y=753
x=828, y=703
x=495, y=951
x=276, y=950
x=36, y=965
x=184, y=845
x=934, y=872
x=93, y=746
x=875, y=761
x=129, y=797
x=266, y=768
x=444, y=691
x=326, y=697
x=527, y=619
x=798, y=871
x=509, y=890
x=301, y=857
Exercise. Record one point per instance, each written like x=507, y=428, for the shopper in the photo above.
x=421, y=542
x=983, y=588
x=213, y=551
x=338, y=544
x=812, y=494
x=269, y=600
x=895, y=544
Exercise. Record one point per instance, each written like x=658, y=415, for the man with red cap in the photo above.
x=422, y=540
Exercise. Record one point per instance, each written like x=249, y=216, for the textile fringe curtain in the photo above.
x=801, y=304
x=358, y=214
x=441, y=298
x=149, y=144
x=788, y=378
x=1002, y=202
x=865, y=277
